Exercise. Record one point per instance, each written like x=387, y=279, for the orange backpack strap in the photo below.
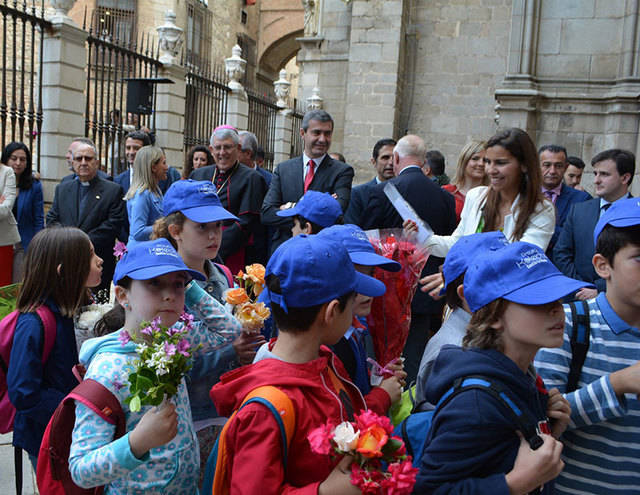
x=282, y=409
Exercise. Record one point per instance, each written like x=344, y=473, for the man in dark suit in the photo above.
x=314, y=170
x=241, y=191
x=613, y=173
x=433, y=205
x=553, y=162
x=92, y=204
x=382, y=161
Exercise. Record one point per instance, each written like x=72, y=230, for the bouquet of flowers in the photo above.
x=164, y=356
x=8, y=298
x=250, y=314
x=369, y=440
x=390, y=315
x=87, y=319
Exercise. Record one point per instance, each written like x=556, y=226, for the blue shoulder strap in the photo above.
x=580, y=334
x=276, y=415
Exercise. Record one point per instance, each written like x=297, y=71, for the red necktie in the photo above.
x=309, y=177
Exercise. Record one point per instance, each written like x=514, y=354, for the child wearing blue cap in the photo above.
x=602, y=443
x=476, y=444
x=159, y=453
x=351, y=348
x=454, y=327
x=192, y=222
x=312, y=311
x=314, y=212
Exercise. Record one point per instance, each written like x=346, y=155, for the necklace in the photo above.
x=215, y=174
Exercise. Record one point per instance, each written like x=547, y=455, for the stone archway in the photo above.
x=281, y=22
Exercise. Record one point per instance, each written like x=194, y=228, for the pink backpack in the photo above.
x=7, y=329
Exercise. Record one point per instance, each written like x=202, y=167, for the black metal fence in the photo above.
x=262, y=122
x=112, y=56
x=296, y=124
x=21, y=74
x=205, y=105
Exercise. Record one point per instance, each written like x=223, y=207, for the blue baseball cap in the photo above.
x=317, y=207
x=465, y=250
x=314, y=270
x=148, y=259
x=519, y=272
x=622, y=213
x=197, y=200
x=358, y=246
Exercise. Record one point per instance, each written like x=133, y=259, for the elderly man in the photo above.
x=91, y=204
x=241, y=191
x=314, y=170
x=73, y=145
x=436, y=207
x=248, y=154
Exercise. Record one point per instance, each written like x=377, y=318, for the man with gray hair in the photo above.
x=433, y=205
x=248, y=152
x=241, y=191
x=75, y=143
x=315, y=170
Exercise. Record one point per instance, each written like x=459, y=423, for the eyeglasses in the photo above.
x=83, y=158
x=224, y=147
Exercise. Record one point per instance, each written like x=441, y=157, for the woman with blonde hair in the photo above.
x=469, y=173
x=144, y=198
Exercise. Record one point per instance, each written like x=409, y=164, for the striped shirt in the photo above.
x=602, y=442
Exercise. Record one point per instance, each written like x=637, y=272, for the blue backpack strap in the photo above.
x=580, y=335
x=521, y=418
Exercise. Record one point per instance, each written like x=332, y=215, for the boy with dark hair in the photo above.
x=602, y=443
x=312, y=310
x=314, y=212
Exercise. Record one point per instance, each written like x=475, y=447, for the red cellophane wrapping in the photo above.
x=390, y=315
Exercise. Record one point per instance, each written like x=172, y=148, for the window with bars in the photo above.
x=115, y=20
x=199, y=26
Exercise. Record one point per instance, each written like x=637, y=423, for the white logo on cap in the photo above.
x=361, y=236
x=531, y=258
x=162, y=251
x=207, y=189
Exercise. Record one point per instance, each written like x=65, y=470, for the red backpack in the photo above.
x=53, y=474
x=7, y=330
x=7, y=411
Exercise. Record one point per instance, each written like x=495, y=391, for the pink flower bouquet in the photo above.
x=371, y=442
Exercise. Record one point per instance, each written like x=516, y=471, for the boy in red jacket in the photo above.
x=312, y=285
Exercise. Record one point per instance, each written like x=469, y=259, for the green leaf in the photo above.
x=135, y=405
x=143, y=383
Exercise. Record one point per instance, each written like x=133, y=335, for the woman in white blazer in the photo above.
x=512, y=203
x=9, y=234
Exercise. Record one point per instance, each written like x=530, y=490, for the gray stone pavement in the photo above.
x=7, y=476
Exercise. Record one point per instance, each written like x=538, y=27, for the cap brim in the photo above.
x=372, y=259
x=289, y=212
x=369, y=286
x=552, y=288
x=158, y=270
x=206, y=214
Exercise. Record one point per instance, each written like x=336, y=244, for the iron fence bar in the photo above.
x=3, y=107
x=21, y=112
x=14, y=109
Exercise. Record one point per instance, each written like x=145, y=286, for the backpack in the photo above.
x=7, y=411
x=53, y=474
x=415, y=429
x=579, y=342
x=279, y=404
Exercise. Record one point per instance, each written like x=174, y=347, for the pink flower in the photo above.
x=119, y=249
x=124, y=337
x=146, y=331
x=369, y=418
x=169, y=349
x=320, y=439
x=155, y=323
x=186, y=318
x=402, y=478
x=368, y=481
x=183, y=347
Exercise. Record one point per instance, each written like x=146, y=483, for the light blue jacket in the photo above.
x=96, y=459
x=143, y=209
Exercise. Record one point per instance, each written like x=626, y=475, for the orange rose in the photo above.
x=255, y=273
x=371, y=441
x=247, y=317
x=236, y=296
x=261, y=311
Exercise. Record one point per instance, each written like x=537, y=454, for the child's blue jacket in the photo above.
x=473, y=442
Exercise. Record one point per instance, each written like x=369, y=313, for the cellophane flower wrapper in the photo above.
x=164, y=357
x=380, y=465
x=390, y=316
